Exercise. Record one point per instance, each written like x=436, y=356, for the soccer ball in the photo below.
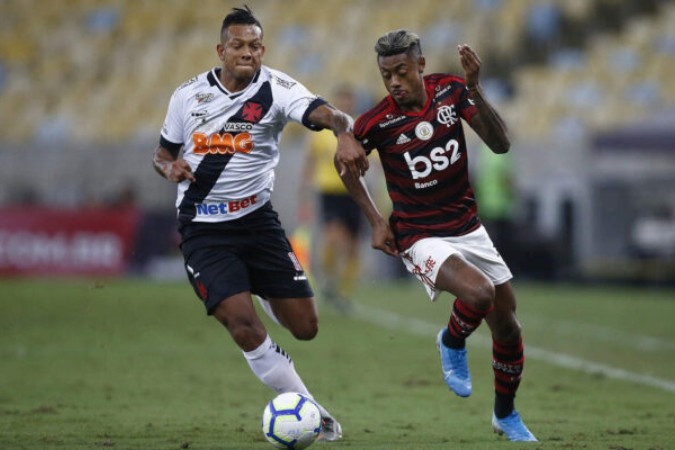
x=291, y=421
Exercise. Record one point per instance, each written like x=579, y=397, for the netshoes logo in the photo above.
x=222, y=143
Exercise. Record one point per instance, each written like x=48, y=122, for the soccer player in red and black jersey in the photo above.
x=434, y=227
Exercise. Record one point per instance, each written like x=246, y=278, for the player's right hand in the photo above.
x=351, y=156
x=180, y=170
x=383, y=239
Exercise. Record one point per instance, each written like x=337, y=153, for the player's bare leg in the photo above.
x=475, y=296
x=238, y=315
x=268, y=361
x=464, y=280
x=507, y=363
x=298, y=315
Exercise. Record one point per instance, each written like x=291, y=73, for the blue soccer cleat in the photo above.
x=455, y=369
x=513, y=427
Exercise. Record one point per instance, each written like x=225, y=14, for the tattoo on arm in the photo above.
x=329, y=117
x=161, y=159
x=488, y=123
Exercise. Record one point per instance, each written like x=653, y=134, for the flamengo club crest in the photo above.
x=424, y=130
x=447, y=115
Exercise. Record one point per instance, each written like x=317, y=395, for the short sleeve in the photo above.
x=172, y=130
x=361, y=134
x=295, y=100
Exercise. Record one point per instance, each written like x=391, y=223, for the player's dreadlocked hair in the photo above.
x=239, y=16
x=398, y=41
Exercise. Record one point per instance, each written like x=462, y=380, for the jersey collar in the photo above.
x=213, y=78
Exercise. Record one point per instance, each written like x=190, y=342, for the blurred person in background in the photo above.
x=228, y=123
x=434, y=227
x=339, y=217
x=495, y=189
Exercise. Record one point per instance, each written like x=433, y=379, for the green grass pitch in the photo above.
x=130, y=364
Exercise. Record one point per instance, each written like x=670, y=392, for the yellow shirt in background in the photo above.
x=322, y=146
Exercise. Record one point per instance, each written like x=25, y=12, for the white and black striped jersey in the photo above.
x=231, y=140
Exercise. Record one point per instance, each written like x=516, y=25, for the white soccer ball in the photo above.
x=291, y=421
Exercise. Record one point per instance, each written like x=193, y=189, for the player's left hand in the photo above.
x=471, y=64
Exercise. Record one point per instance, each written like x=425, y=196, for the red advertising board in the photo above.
x=47, y=241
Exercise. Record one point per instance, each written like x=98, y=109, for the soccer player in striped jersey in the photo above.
x=228, y=123
x=435, y=227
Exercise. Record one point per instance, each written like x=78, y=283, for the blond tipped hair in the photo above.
x=398, y=41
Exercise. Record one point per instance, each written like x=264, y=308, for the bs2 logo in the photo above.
x=421, y=166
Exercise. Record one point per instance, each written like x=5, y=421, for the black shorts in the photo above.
x=247, y=254
x=341, y=208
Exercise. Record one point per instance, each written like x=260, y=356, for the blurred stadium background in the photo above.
x=586, y=86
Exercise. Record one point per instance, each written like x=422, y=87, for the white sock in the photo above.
x=272, y=365
x=265, y=304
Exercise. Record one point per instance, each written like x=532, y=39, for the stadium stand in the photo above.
x=97, y=70
x=586, y=87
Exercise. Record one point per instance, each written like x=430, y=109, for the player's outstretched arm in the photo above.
x=170, y=166
x=382, y=238
x=350, y=154
x=486, y=123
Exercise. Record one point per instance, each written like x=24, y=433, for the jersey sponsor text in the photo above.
x=215, y=209
x=222, y=144
x=421, y=166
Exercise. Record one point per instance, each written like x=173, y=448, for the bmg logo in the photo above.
x=439, y=159
x=222, y=144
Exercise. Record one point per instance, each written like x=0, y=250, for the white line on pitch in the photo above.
x=387, y=319
x=598, y=332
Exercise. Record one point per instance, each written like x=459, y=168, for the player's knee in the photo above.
x=305, y=330
x=245, y=333
x=481, y=295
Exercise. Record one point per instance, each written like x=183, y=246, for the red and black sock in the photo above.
x=464, y=319
x=507, y=364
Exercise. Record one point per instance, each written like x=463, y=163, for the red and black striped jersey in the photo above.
x=424, y=158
